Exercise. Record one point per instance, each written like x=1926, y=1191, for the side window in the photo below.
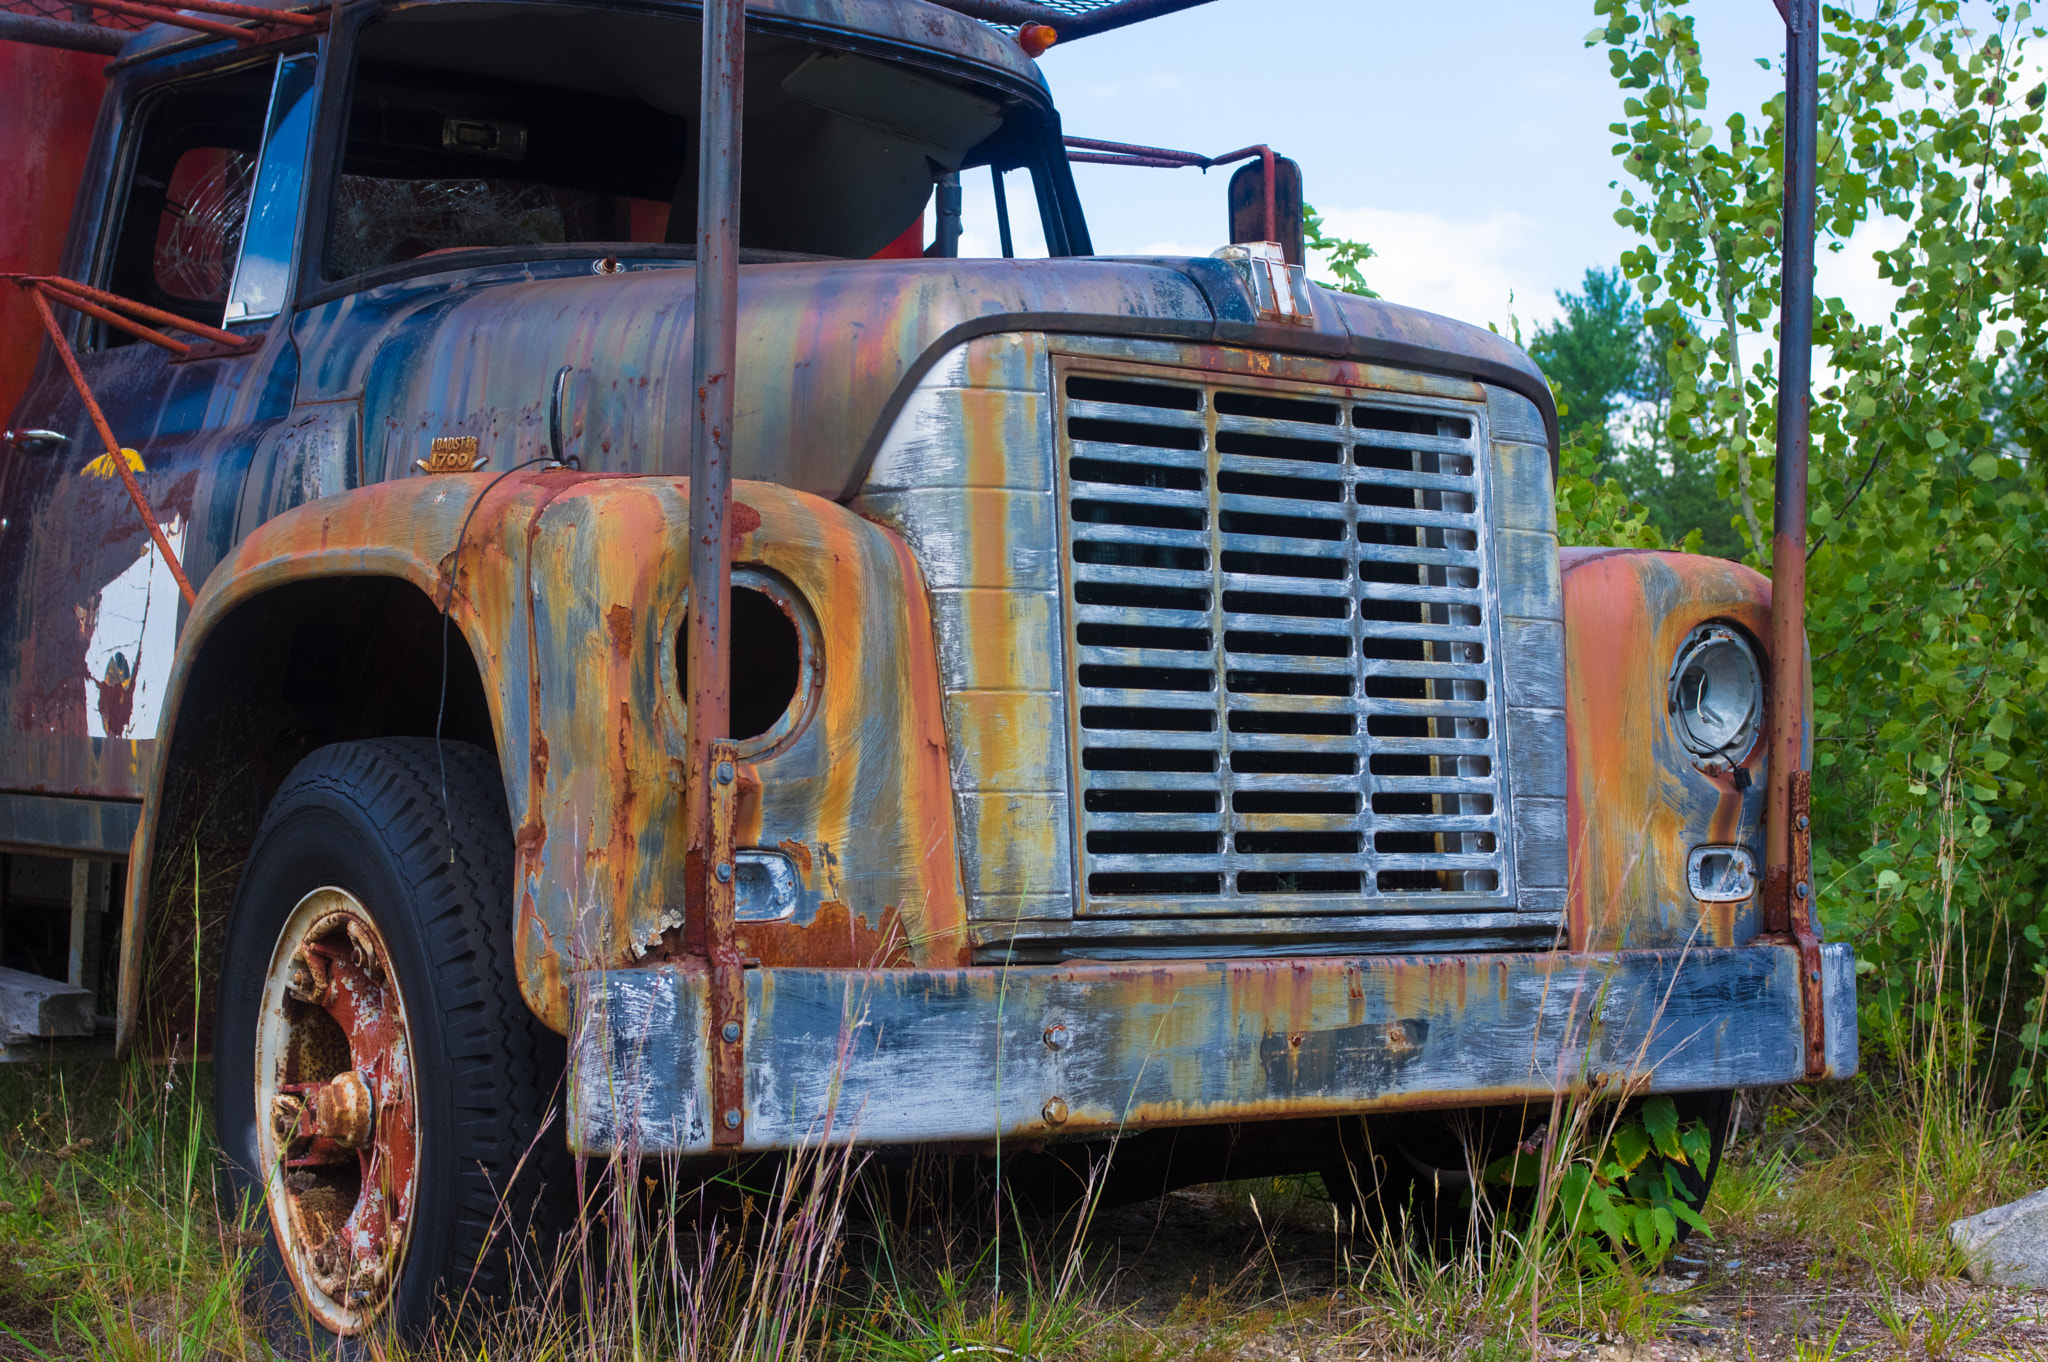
x=199, y=231
x=191, y=172
x=999, y=214
x=998, y=220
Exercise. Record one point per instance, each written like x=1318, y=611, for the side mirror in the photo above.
x=1248, y=200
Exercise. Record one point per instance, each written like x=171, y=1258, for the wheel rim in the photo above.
x=337, y=1109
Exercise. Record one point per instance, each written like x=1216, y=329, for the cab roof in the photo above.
x=917, y=27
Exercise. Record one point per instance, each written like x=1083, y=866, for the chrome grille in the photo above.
x=1283, y=682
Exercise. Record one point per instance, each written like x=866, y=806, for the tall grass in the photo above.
x=782, y=1258
x=106, y=1195
x=106, y=1192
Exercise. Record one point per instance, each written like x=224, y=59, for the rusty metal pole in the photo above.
x=712, y=777
x=1788, y=874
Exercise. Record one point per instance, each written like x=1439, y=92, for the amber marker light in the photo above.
x=1035, y=38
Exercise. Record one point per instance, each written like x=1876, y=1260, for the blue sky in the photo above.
x=1467, y=143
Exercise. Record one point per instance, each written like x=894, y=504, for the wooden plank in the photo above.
x=32, y=1007
x=53, y=824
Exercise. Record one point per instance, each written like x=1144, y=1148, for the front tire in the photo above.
x=382, y=1093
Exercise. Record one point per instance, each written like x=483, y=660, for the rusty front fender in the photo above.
x=569, y=590
x=1638, y=803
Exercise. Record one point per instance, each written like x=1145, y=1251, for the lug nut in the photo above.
x=286, y=1113
x=306, y=981
x=364, y=949
x=342, y=1110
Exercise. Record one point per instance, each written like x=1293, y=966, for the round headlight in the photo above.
x=1717, y=696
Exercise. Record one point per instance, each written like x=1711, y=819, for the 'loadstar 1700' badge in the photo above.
x=452, y=454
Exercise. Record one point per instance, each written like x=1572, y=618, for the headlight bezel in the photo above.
x=1717, y=651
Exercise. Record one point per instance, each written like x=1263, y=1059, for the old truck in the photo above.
x=1150, y=702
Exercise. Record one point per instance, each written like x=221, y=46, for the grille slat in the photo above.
x=1404, y=440
x=1434, y=784
x=1293, y=586
x=1150, y=535
x=1277, y=465
x=1283, y=704
x=1129, y=494
x=1395, y=555
x=1398, y=519
x=1433, y=709
x=1102, y=739
x=1133, y=617
x=1154, y=822
x=1468, y=747
x=1164, y=781
x=1451, y=595
x=1281, y=619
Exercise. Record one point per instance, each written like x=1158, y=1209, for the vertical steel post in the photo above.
x=707, y=862
x=1788, y=888
x=947, y=216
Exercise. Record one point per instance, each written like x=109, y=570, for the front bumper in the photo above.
x=892, y=1057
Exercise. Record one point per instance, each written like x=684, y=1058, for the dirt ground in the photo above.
x=1277, y=1285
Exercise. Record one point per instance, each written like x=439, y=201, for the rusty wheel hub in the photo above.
x=340, y=1147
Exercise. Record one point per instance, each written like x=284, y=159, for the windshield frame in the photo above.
x=1036, y=145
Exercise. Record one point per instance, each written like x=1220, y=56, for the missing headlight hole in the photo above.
x=1716, y=696
x=766, y=658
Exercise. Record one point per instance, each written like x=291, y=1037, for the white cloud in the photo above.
x=1851, y=275
x=1466, y=270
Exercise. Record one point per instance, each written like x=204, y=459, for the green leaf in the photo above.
x=1698, y=1145
x=1631, y=1146
x=1660, y=1118
x=1666, y=1229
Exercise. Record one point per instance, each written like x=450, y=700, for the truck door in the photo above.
x=202, y=220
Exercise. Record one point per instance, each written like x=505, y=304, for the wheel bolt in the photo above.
x=343, y=1110
x=364, y=949
x=307, y=981
x=286, y=1114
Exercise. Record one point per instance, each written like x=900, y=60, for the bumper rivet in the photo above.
x=1056, y=1111
x=1057, y=1037
x=732, y=1031
x=725, y=773
x=724, y=873
x=1800, y=889
x=1815, y=976
x=732, y=1118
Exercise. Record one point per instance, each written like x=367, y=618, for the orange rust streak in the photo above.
x=837, y=938
x=939, y=923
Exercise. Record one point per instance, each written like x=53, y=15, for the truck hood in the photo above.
x=533, y=355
